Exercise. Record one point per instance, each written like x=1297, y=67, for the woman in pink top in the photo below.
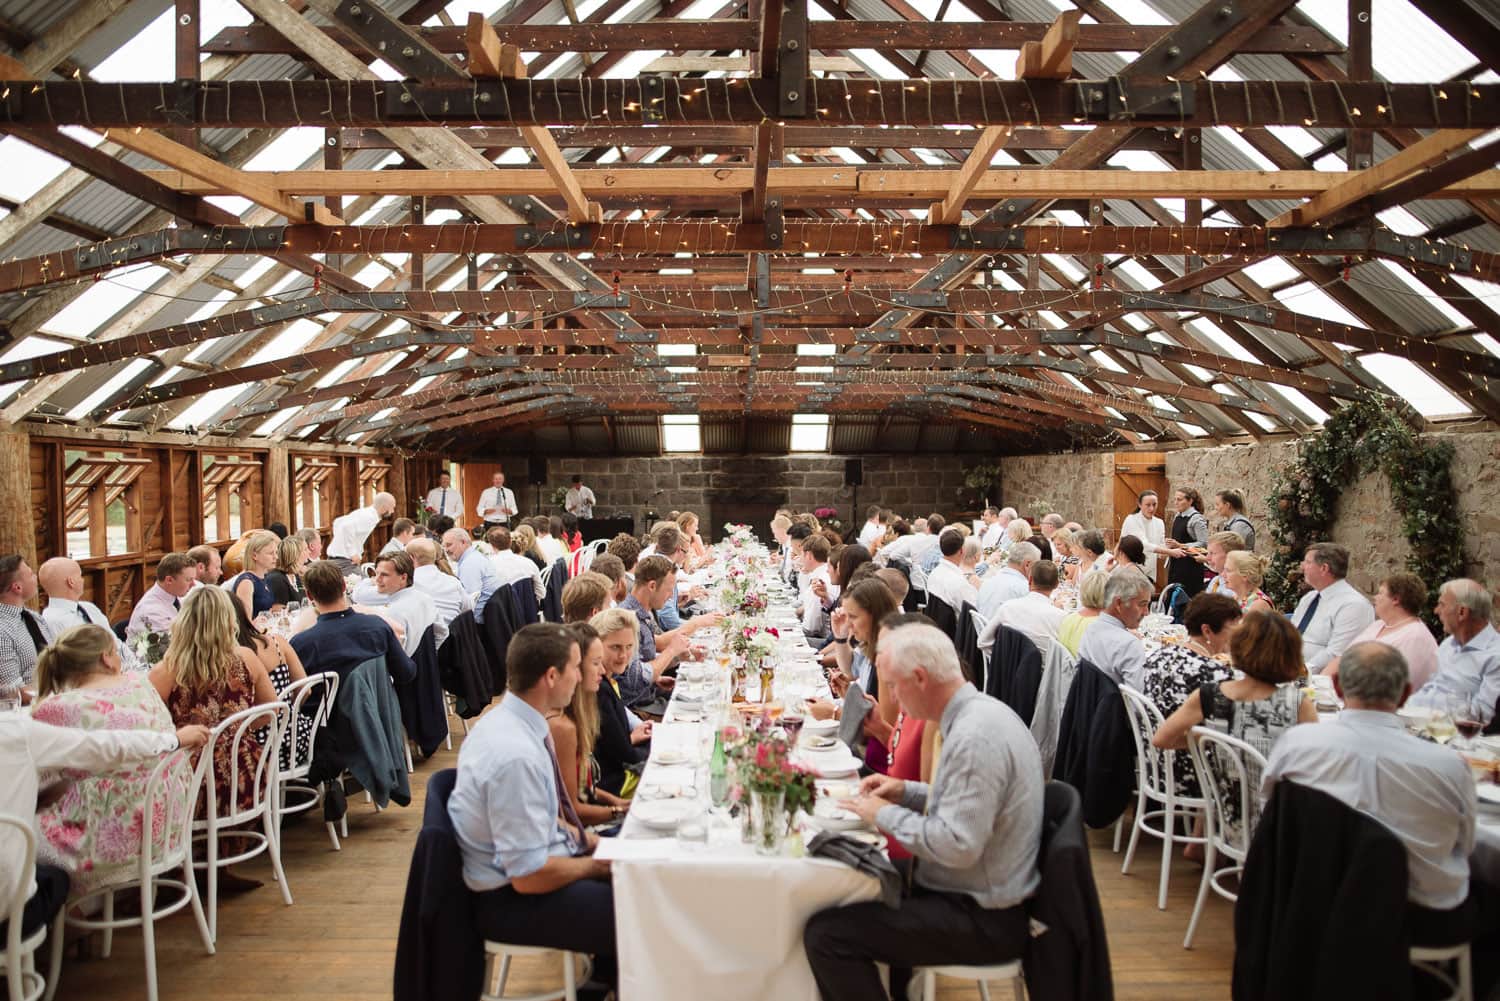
x=1398, y=604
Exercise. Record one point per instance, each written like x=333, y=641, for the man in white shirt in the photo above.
x=350, y=531
x=403, y=530
x=443, y=500
x=946, y=582
x=1333, y=612
x=814, y=567
x=874, y=527
x=1011, y=581
x=209, y=563
x=1469, y=658
x=449, y=598
x=994, y=528
x=497, y=505
x=62, y=579
x=580, y=500
x=1422, y=792
x=413, y=610
x=1033, y=613
x=1146, y=526
x=1109, y=644
x=511, y=567
x=551, y=547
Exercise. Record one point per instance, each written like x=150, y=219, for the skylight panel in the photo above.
x=1075, y=382
x=1162, y=403
x=141, y=58
x=1137, y=273
x=1265, y=423
x=290, y=150
x=1242, y=146
x=1192, y=429
x=1104, y=360
x=205, y=407
x=1413, y=385
x=676, y=350
x=336, y=373
x=1309, y=300
x=1405, y=46
x=1301, y=403
x=1412, y=287
x=419, y=385
x=809, y=433
x=1271, y=271
x=814, y=369
x=101, y=301
x=290, y=341
x=111, y=386
x=681, y=433
x=817, y=349
x=1066, y=266
x=276, y=420
x=878, y=65
x=1222, y=340
x=27, y=169
x=1402, y=221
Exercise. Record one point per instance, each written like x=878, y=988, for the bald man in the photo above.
x=62, y=579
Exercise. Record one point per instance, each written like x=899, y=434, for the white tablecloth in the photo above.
x=714, y=921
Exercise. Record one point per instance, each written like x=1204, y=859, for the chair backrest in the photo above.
x=166, y=818
x=547, y=575
x=1153, y=765
x=16, y=905
x=298, y=763
x=1229, y=772
x=598, y=546
x=234, y=732
x=978, y=621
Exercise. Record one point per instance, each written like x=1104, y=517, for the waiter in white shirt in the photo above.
x=580, y=500
x=350, y=531
x=62, y=579
x=1146, y=526
x=444, y=500
x=497, y=505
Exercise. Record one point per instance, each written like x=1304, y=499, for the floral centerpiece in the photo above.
x=150, y=645
x=738, y=536
x=767, y=783
x=829, y=517
x=737, y=594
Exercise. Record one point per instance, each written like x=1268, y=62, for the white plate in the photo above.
x=831, y=765
x=1488, y=793
x=821, y=744
x=664, y=814
x=687, y=714
x=870, y=838
x=669, y=756
x=837, y=790
x=832, y=817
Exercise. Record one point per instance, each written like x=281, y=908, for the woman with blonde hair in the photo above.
x=523, y=543
x=1065, y=555
x=688, y=524
x=250, y=587
x=619, y=750
x=1244, y=572
x=207, y=676
x=285, y=580
x=1090, y=603
x=575, y=731
x=93, y=828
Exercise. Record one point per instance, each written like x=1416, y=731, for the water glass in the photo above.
x=10, y=699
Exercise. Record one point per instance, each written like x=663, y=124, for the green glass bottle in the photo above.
x=718, y=772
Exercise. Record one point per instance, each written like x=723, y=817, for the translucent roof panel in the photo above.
x=1414, y=386
x=1405, y=46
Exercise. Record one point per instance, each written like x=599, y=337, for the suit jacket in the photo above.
x=439, y=952
x=1046, y=721
x=463, y=665
x=499, y=625
x=1069, y=961
x=524, y=595
x=422, y=710
x=552, y=600
x=364, y=736
x=1015, y=672
x=942, y=614
x=1322, y=905
x=969, y=653
x=1095, y=749
x=613, y=750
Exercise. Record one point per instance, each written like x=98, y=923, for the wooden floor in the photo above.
x=338, y=941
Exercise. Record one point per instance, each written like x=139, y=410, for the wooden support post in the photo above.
x=1359, y=144
x=277, y=474
x=187, y=59
x=1052, y=57
x=17, y=508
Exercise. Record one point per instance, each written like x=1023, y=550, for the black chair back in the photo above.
x=120, y=627
x=1015, y=674
x=1071, y=958
x=967, y=642
x=942, y=615
x=552, y=600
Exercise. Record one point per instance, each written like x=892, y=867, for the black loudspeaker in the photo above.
x=854, y=472
x=536, y=471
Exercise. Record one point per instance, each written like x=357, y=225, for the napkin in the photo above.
x=851, y=721
x=863, y=857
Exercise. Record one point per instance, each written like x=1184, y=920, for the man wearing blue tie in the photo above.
x=444, y=500
x=62, y=579
x=1334, y=612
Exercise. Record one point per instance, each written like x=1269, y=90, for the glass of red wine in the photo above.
x=791, y=723
x=1465, y=720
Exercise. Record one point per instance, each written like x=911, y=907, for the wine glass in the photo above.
x=1465, y=720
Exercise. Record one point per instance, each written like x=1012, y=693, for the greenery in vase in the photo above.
x=559, y=497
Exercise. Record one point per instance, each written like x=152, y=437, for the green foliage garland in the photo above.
x=1366, y=436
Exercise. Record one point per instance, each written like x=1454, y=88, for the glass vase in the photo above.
x=741, y=676
x=768, y=821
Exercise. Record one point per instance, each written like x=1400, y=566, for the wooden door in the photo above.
x=473, y=479
x=1136, y=472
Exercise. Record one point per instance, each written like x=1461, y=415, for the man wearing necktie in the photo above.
x=62, y=579
x=1334, y=612
x=497, y=505
x=23, y=634
x=526, y=855
x=444, y=500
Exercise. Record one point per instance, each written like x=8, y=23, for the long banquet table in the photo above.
x=713, y=919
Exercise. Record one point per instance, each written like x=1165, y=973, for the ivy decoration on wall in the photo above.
x=1370, y=435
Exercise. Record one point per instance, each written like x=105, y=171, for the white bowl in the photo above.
x=664, y=814
x=832, y=817
x=819, y=727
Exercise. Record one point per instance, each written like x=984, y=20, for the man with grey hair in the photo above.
x=1469, y=659
x=946, y=583
x=1050, y=524
x=1109, y=644
x=1012, y=581
x=974, y=834
x=350, y=531
x=1422, y=792
x=475, y=572
x=1334, y=612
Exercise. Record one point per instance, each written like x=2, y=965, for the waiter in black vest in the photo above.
x=1189, y=528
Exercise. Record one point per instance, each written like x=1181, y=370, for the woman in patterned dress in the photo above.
x=94, y=829
x=284, y=667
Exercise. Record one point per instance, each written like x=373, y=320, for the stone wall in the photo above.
x=1079, y=486
x=1367, y=523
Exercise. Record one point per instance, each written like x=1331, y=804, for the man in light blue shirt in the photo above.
x=1013, y=580
x=475, y=570
x=1469, y=658
x=525, y=855
x=1109, y=644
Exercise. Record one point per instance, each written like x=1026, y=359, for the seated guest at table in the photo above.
x=351, y=530
x=438, y=526
x=571, y=537
x=523, y=543
x=1093, y=552
x=910, y=748
x=779, y=526
x=1076, y=624
x=1263, y=704
x=585, y=596
x=474, y=570
x=511, y=566
x=87, y=829
x=525, y=854
x=281, y=664
x=1468, y=660
x=62, y=579
x=208, y=564
x=874, y=526
x=657, y=650
x=628, y=551
x=159, y=606
x=285, y=579
x=1177, y=670
x=994, y=527
x=342, y=639
x=1065, y=555
x=1033, y=613
x=795, y=536
x=1399, y=601
x=623, y=738
x=1011, y=581
x=688, y=525
x=810, y=608
x=407, y=606
x=896, y=581
x=970, y=557
x=1231, y=508
x=865, y=606
x=975, y=833
x=667, y=541
x=403, y=530
x=1244, y=572
x=249, y=585
x=1333, y=612
x=449, y=599
x=1220, y=545
x=28, y=749
x=1110, y=645
x=1422, y=792
x=609, y=566
x=575, y=732
x=548, y=539
x=314, y=540
x=1130, y=552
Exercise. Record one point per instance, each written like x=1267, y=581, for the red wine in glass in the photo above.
x=792, y=724
x=1468, y=729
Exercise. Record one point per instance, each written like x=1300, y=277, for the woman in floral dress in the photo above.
x=94, y=829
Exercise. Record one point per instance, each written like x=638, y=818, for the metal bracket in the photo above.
x=600, y=300
x=920, y=300
x=853, y=361
x=1123, y=99
x=874, y=336
x=792, y=70
x=990, y=238
x=636, y=337
x=481, y=99
x=775, y=228
x=411, y=338
x=570, y=237
x=261, y=239
x=394, y=42
x=125, y=249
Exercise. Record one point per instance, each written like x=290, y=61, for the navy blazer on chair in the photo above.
x=1095, y=751
x=552, y=600
x=422, y=710
x=1015, y=674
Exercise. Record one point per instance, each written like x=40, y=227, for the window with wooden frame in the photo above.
x=311, y=483
x=102, y=503
x=374, y=474
x=228, y=502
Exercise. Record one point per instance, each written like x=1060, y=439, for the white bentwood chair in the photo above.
x=1461, y=984
x=1156, y=783
x=226, y=820
x=293, y=764
x=167, y=807
x=18, y=957
x=498, y=956
x=1224, y=766
x=981, y=975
